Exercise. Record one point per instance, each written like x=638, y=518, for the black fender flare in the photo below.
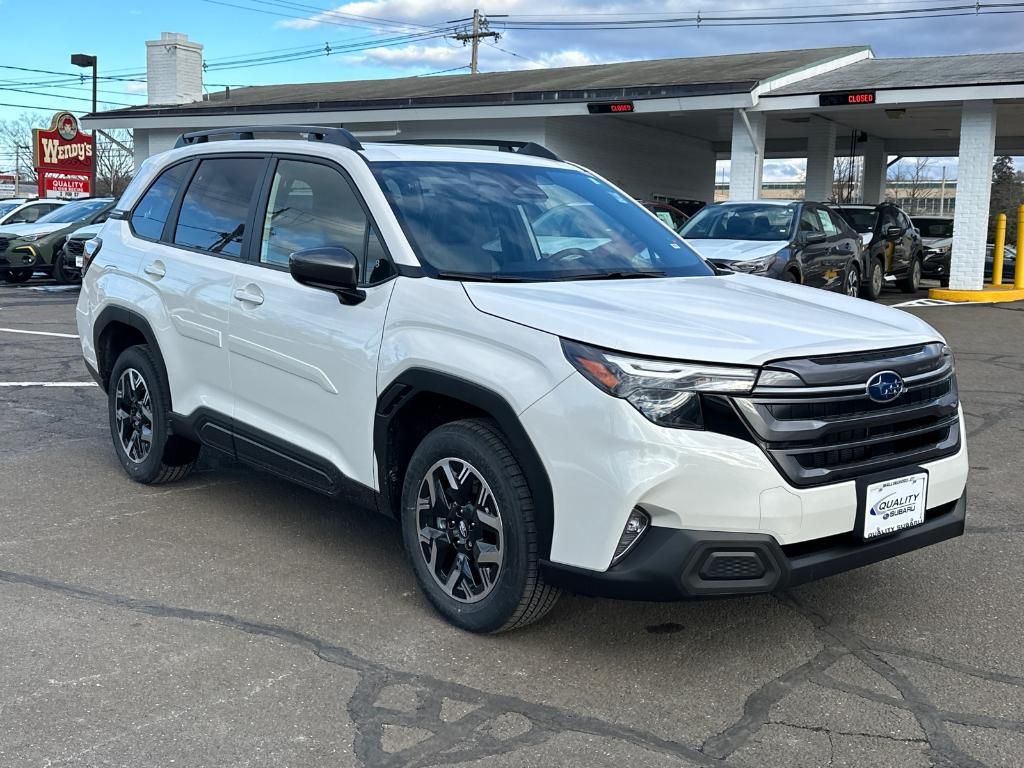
x=118, y=314
x=421, y=380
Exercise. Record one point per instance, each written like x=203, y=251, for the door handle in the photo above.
x=250, y=294
x=156, y=269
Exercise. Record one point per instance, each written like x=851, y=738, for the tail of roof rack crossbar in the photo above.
x=338, y=136
x=530, y=148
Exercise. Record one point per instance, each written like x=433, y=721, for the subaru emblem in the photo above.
x=885, y=386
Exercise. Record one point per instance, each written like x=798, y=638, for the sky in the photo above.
x=399, y=38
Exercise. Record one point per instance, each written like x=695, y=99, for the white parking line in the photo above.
x=40, y=333
x=47, y=383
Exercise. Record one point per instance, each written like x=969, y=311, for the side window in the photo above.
x=216, y=204
x=313, y=205
x=888, y=218
x=839, y=223
x=151, y=212
x=826, y=223
x=809, y=222
x=378, y=265
x=32, y=214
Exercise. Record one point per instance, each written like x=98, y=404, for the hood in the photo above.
x=35, y=228
x=86, y=233
x=738, y=318
x=736, y=250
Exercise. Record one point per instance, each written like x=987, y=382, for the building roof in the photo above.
x=660, y=78
x=921, y=72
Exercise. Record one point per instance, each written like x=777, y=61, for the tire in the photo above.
x=912, y=282
x=851, y=281
x=790, y=277
x=944, y=282
x=16, y=276
x=871, y=288
x=493, y=543
x=61, y=272
x=138, y=388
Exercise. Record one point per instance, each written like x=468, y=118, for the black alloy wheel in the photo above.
x=64, y=270
x=460, y=531
x=134, y=415
x=851, y=283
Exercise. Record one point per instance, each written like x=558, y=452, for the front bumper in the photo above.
x=675, y=564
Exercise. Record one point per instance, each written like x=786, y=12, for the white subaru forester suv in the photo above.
x=544, y=384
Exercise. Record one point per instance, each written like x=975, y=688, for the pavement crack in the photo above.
x=449, y=742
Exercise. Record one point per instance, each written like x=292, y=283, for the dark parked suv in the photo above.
x=892, y=246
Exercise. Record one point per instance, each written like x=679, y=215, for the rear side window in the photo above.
x=151, y=212
x=216, y=204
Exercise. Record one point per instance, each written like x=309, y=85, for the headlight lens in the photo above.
x=32, y=238
x=762, y=264
x=665, y=391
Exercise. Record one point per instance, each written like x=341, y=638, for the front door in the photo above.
x=815, y=247
x=303, y=364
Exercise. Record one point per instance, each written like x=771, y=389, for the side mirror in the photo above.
x=893, y=233
x=812, y=238
x=330, y=268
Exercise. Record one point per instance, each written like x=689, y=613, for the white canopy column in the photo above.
x=747, y=155
x=821, y=156
x=974, y=186
x=875, y=166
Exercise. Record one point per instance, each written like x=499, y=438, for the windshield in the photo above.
x=934, y=227
x=73, y=212
x=741, y=221
x=6, y=208
x=520, y=222
x=861, y=219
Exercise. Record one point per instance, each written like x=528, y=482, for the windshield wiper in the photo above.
x=620, y=275
x=481, y=277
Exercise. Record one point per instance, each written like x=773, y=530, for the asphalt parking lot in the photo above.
x=236, y=620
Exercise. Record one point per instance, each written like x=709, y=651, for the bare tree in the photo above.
x=16, y=142
x=846, y=175
x=115, y=161
x=911, y=177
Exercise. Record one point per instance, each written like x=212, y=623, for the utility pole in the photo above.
x=85, y=60
x=480, y=30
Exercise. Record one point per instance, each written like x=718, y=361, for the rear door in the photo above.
x=815, y=246
x=192, y=225
x=304, y=365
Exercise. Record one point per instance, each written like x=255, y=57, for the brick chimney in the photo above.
x=174, y=70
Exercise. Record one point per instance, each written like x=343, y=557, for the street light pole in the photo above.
x=85, y=60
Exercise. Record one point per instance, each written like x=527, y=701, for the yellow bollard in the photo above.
x=1018, y=270
x=997, y=254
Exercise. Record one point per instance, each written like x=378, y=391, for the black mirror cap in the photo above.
x=329, y=268
x=894, y=233
x=812, y=238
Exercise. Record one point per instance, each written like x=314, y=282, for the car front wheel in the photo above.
x=139, y=410
x=64, y=271
x=469, y=529
x=15, y=276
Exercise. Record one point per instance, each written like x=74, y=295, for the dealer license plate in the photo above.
x=79, y=261
x=892, y=505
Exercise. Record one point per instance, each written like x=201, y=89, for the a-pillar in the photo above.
x=876, y=161
x=973, y=188
x=821, y=159
x=747, y=155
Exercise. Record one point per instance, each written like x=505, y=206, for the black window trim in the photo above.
x=260, y=215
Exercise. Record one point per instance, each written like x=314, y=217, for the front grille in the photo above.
x=75, y=247
x=832, y=431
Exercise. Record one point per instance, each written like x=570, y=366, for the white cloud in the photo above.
x=132, y=87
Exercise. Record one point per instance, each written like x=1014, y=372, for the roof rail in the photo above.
x=337, y=136
x=530, y=148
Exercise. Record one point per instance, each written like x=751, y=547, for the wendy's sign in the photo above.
x=61, y=150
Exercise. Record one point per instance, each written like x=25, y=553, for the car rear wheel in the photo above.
x=872, y=287
x=851, y=283
x=139, y=411
x=18, y=275
x=64, y=270
x=912, y=282
x=790, y=277
x=469, y=530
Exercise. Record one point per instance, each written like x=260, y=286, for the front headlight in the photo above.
x=33, y=237
x=762, y=264
x=665, y=391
